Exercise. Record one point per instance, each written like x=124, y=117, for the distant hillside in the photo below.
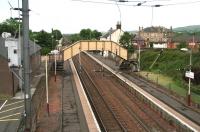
x=191, y=29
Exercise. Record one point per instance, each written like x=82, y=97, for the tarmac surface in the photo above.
x=11, y=113
x=71, y=122
x=63, y=114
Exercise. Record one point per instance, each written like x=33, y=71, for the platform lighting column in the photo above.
x=139, y=59
x=20, y=51
x=55, y=65
x=47, y=86
x=189, y=82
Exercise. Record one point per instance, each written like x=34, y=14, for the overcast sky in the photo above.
x=72, y=16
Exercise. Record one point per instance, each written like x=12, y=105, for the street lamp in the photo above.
x=190, y=75
x=139, y=59
x=52, y=42
x=55, y=52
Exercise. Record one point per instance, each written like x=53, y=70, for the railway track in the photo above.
x=164, y=96
x=131, y=113
x=105, y=116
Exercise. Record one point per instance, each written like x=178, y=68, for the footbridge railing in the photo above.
x=89, y=45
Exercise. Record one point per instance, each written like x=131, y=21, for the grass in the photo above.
x=169, y=83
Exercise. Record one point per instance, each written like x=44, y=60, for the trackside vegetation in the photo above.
x=172, y=64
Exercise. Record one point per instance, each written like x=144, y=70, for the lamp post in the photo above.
x=52, y=42
x=139, y=59
x=47, y=89
x=189, y=82
x=55, y=66
x=190, y=76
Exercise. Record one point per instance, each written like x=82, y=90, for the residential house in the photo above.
x=155, y=34
x=138, y=41
x=9, y=61
x=113, y=34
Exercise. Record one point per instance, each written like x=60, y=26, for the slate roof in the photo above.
x=138, y=38
x=111, y=31
x=156, y=29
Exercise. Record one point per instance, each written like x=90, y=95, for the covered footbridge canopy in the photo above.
x=86, y=45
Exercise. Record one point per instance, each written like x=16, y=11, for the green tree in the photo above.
x=74, y=38
x=96, y=34
x=125, y=41
x=11, y=26
x=57, y=35
x=86, y=34
x=182, y=45
x=45, y=41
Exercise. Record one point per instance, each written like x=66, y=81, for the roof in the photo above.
x=32, y=48
x=111, y=31
x=156, y=29
x=4, y=51
x=138, y=38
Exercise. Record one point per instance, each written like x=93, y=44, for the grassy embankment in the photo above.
x=169, y=70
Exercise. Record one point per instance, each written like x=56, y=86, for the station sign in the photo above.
x=189, y=74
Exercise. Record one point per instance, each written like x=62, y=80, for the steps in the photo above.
x=59, y=66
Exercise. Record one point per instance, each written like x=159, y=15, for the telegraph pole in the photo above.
x=26, y=64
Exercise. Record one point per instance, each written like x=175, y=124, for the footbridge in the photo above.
x=86, y=45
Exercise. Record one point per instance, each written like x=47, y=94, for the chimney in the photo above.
x=118, y=26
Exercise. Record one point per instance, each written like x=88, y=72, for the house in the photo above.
x=138, y=41
x=155, y=34
x=113, y=35
x=192, y=41
x=10, y=61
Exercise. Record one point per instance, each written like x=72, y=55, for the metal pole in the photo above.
x=189, y=83
x=52, y=43
x=25, y=21
x=20, y=52
x=139, y=59
x=55, y=66
x=47, y=86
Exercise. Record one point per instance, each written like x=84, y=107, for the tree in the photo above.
x=74, y=38
x=96, y=34
x=125, y=41
x=45, y=41
x=57, y=35
x=86, y=34
x=10, y=26
x=182, y=45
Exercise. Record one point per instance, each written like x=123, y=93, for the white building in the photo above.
x=113, y=35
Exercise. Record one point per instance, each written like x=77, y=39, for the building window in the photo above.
x=15, y=51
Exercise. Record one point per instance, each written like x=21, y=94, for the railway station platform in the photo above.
x=186, y=118
x=77, y=114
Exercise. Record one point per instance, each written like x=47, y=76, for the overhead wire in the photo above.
x=141, y=3
x=120, y=17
